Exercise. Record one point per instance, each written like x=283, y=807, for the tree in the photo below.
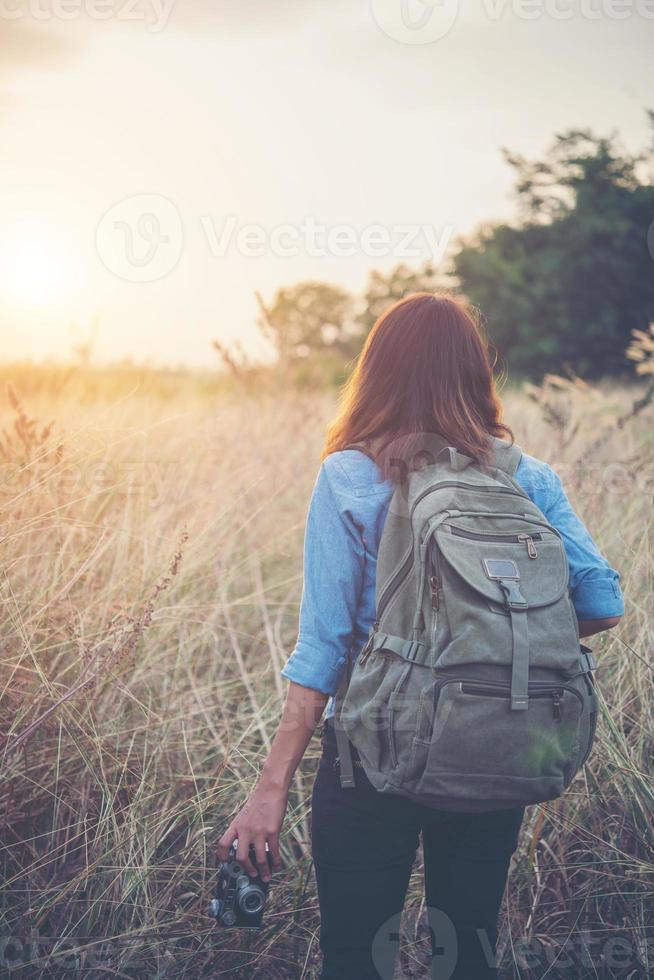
x=308, y=318
x=384, y=289
x=567, y=284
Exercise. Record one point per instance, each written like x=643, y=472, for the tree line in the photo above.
x=561, y=288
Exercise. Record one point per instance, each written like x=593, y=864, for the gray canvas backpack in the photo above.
x=473, y=691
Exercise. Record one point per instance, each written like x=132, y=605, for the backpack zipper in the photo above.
x=522, y=538
x=434, y=587
x=396, y=580
x=481, y=689
x=529, y=541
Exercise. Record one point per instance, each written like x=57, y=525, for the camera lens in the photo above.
x=251, y=900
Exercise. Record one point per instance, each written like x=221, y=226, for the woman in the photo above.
x=425, y=367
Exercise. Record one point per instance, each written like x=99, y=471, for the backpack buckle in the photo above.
x=513, y=597
x=412, y=649
x=587, y=658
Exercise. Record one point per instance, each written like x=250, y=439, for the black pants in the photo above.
x=364, y=844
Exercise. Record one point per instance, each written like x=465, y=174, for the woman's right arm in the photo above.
x=260, y=820
x=332, y=580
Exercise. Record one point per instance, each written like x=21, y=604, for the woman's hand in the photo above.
x=259, y=822
x=261, y=818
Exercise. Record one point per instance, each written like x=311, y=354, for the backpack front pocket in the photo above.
x=479, y=748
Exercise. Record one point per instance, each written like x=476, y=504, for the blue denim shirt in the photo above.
x=344, y=524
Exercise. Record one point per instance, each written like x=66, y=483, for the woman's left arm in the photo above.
x=588, y=627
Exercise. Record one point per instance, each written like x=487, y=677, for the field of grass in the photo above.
x=149, y=587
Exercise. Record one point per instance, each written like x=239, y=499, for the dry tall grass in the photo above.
x=151, y=573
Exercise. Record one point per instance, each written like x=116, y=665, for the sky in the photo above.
x=162, y=160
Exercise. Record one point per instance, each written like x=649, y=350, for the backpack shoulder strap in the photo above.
x=506, y=456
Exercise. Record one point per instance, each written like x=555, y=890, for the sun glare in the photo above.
x=39, y=264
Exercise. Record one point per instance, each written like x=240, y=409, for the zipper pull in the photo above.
x=434, y=585
x=365, y=653
x=531, y=547
x=556, y=705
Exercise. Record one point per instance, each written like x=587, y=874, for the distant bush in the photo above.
x=565, y=287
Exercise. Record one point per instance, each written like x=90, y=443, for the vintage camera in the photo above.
x=240, y=899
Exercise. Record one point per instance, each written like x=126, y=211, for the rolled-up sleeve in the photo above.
x=594, y=585
x=333, y=566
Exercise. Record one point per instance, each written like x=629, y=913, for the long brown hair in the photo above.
x=425, y=368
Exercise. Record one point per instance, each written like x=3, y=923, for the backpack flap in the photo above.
x=475, y=555
x=505, y=588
